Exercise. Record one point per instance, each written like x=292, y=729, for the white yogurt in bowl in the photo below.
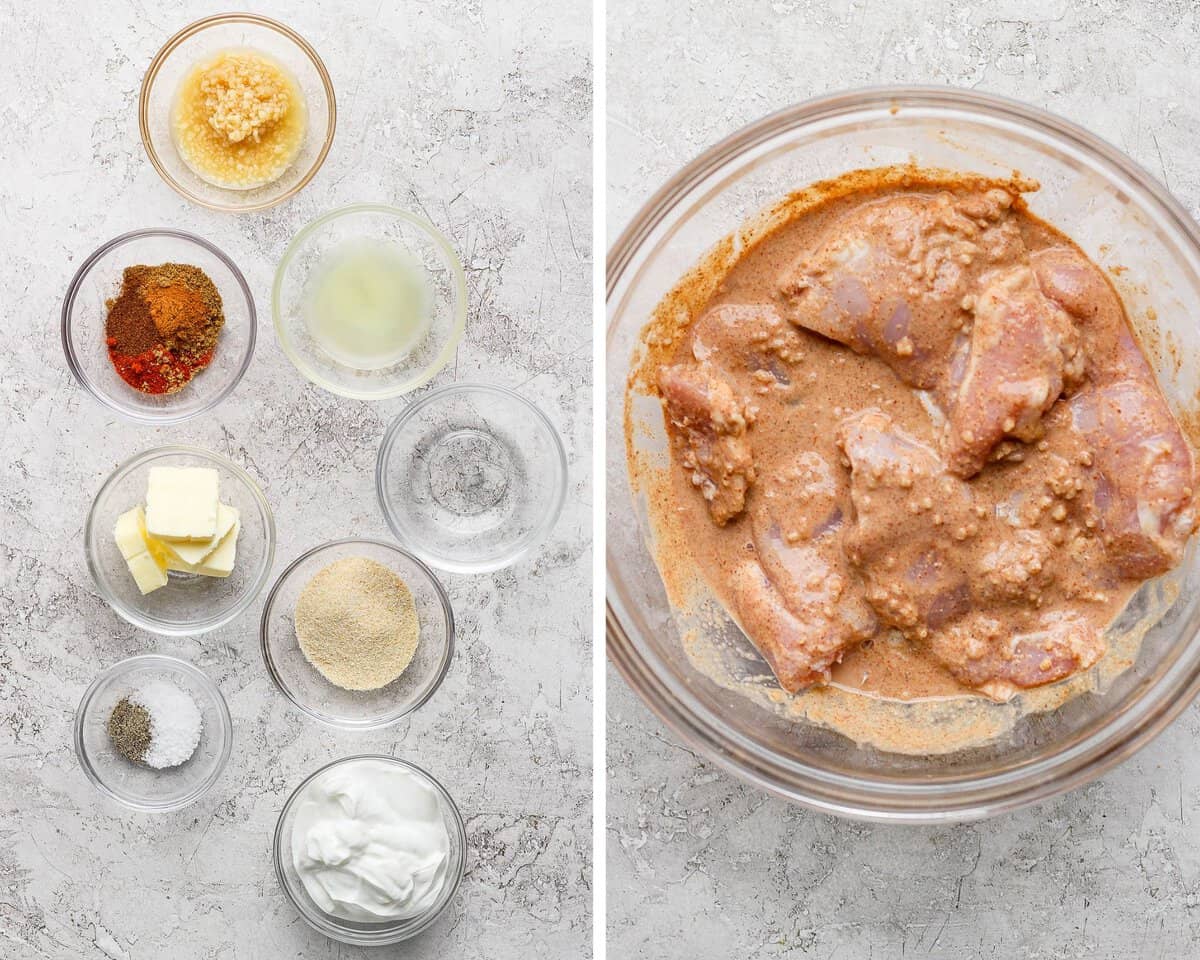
x=369, y=842
x=370, y=850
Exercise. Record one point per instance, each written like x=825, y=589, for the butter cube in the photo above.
x=220, y=562
x=181, y=503
x=147, y=574
x=190, y=554
x=180, y=566
x=146, y=562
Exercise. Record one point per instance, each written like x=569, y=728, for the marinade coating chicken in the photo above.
x=889, y=277
x=919, y=416
x=712, y=421
x=1144, y=470
x=1024, y=350
x=942, y=570
x=983, y=652
x=799, y=654
x=751, y=338
x=908, y=514
x=800, y=556
x=940, y=288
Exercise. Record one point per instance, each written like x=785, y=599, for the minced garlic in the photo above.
x=239, y=119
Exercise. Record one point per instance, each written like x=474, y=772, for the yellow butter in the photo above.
x=145, y=560
x=181, y=503
x=147, y=574
x=220, y=562
x=180, y=566
x=190, y=554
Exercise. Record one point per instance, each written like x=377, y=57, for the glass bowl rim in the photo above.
x=247, y=598
x=458, y=323
x=191, y=30
x=264, y=632
x=860, y=797
x=124, y=666
x=68, y=341
x=528, y=541
x=333, y=928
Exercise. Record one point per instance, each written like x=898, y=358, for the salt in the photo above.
x=175, y=723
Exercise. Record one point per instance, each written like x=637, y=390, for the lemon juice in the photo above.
x=369, y=304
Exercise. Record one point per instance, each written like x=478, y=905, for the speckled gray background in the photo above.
x=700, y=865
x=478, y=115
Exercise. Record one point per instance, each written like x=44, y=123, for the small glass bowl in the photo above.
x=373, y=223
x=471, y=477
x=349, y=931
x=301, y=682
x=84, y=314
x=201, y=40
x=189, y=604
x=142, y=787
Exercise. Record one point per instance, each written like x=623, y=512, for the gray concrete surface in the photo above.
x=700, y=865
x=478, y=115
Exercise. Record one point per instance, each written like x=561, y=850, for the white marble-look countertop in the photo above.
x=700, y=865
x=477, y=115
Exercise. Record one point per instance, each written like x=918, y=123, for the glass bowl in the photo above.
x=412, y=237
x=471, y=477
x=84, y=314
x=300, y=681
x=1120, y=216
x=349, y=931
x=203, y=39
x=135, y=785
x=190, y=603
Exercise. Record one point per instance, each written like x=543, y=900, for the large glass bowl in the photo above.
x=202, y=39
x=1121, y=216
x=350, y=931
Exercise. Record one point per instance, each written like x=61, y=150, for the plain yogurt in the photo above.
x=369, y=841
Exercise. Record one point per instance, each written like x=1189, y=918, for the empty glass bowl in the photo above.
x=471, y=477
x=136, y=785
x=85, y=312
x=203, y=39
x=404, y=235
x=189, y=603
x=349, y=931
x=300, y=681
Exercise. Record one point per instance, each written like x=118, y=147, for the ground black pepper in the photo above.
x=129, y=728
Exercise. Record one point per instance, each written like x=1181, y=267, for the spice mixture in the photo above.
x=162, y=326
x=357, y=624
x=239, y=119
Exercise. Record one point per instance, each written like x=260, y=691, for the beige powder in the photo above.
x=357, y=624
